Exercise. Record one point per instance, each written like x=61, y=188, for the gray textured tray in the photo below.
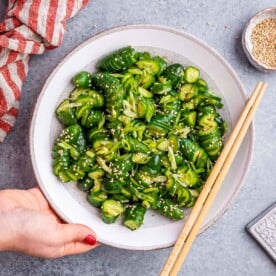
x=263, y=230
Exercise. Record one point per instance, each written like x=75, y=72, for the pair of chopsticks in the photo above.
x=212, y=185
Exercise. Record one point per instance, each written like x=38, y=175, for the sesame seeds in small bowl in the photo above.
x=259, y=40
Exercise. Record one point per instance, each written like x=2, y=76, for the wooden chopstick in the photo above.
x=212, y=185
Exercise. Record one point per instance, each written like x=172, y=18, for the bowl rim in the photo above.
x=180, y=32
x=245, y=38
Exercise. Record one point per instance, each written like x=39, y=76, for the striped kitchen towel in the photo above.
x=29, y=27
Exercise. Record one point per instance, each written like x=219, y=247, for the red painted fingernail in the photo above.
x=89, y=239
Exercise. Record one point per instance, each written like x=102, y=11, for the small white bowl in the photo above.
x=246, y=38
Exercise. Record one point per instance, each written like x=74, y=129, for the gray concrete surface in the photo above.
x=225, y=248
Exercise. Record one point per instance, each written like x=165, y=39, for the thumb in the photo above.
x=75, y=239
x=76, y=233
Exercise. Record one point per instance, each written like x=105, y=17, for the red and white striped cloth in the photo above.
x=29, y=27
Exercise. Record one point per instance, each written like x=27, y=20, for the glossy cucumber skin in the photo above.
x=174, y=73
x=139, y=134
x=119, y=60
x=113, y=92
x=134, y=217
x=82, y=79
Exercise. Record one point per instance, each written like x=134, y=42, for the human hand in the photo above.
x=29, y=225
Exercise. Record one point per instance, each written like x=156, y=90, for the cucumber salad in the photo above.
x=139, y=134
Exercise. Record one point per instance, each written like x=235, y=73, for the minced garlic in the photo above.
x=263, y=38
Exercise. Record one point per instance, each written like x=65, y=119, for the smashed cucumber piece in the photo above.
x=134, y=217
x=111, y=210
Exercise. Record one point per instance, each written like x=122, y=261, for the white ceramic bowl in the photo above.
x=247, y=42
x=66, y=199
